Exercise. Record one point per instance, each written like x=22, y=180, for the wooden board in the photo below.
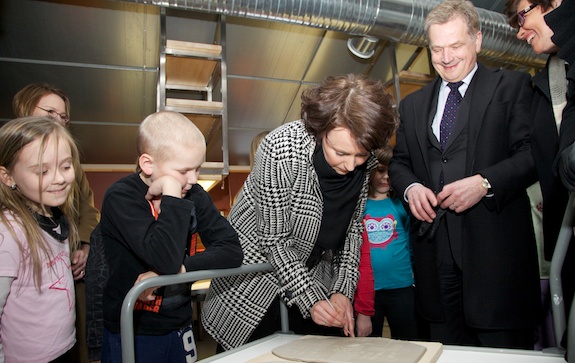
x=362, y=349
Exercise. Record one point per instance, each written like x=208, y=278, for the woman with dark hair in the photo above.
x=301, y=210
x=546, y=25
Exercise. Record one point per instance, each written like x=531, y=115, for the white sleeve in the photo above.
x=406, y=189
x=5, y=283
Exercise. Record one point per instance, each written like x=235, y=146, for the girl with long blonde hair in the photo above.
x=37, y=236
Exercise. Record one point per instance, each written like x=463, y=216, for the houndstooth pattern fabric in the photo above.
x=281, y=229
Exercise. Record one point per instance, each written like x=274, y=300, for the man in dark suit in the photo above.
x=476, y=275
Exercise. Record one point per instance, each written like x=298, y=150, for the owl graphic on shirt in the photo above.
x=380, y=230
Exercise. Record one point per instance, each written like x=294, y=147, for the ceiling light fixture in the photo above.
x=362, y=47
x=209, y=180
x=208, y=184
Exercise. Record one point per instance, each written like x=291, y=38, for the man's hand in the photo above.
x=421, y=202
x=462, y=194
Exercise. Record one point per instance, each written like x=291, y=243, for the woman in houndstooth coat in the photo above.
x=301, y=210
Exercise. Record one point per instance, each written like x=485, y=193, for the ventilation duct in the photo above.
x=362, y=47
x=398, y=21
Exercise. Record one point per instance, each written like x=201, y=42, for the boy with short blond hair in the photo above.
x=148, y=219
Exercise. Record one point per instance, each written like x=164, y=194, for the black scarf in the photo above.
x=340, y=196
x=51, y=224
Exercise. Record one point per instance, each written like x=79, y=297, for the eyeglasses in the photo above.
x=522, y=13
x=55, y=114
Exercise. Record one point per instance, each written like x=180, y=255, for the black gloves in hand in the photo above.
x=431, y=228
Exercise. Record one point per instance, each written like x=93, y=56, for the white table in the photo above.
x=451, y=354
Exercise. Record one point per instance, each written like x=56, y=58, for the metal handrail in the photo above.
x=556, y=288
x=127, y=314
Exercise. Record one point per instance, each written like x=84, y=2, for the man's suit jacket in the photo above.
x=496, y=239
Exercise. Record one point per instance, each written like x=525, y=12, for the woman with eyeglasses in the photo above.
x=46, y=100
x=553, y=109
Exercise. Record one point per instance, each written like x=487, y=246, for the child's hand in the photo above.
x=164, y=185
x=364, y=327
x=148, y=294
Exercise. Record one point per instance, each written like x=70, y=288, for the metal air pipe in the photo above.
x=400, y=21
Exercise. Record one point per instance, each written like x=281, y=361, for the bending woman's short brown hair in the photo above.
x=355, y=102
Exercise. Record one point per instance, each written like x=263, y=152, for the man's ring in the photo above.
x=82, y=273
x=453, y=205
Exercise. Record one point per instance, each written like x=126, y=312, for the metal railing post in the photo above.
x=284, y=317
x=127, y=313
x=557, y=302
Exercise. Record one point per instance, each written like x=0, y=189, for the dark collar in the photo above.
x=51, y=224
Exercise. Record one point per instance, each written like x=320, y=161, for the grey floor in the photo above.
x=205, y=344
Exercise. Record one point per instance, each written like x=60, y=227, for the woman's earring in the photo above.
x=13, y=187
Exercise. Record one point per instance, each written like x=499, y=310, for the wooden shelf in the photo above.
x=191, y=49
x=194, y=106
x=190, y=73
